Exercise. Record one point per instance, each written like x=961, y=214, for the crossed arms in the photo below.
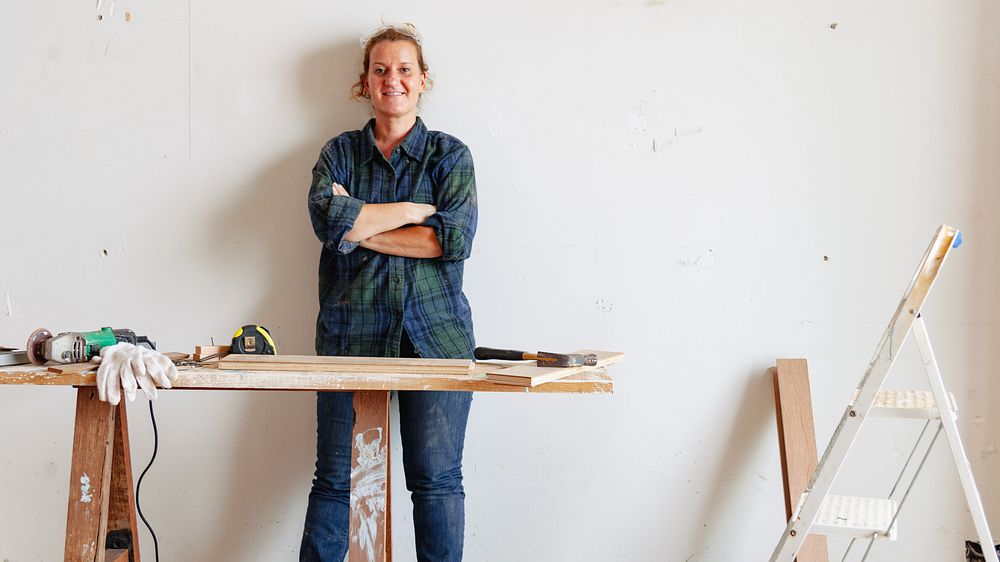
x=388, y=228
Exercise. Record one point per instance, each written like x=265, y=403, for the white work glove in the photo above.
x=128, y=366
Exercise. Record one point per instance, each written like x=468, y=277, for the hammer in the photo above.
x=543, y=358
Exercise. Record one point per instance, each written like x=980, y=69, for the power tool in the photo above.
x=78, y=347
x=253, y=340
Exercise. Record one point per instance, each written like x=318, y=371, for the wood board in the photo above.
x=90, y=478
x=531, y=375
x=70, y=368
x=596, y=380
x=322, y=363
x=797, y=444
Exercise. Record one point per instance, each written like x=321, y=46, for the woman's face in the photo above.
x=394, y=79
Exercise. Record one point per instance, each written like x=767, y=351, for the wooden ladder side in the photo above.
x=796, y=444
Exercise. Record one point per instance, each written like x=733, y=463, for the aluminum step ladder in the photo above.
x=870, y=519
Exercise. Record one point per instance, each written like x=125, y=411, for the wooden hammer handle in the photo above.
x=503, y=354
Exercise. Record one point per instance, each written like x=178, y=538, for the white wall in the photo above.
x=181, y=143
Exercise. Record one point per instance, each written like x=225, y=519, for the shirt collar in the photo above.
x=413, y=144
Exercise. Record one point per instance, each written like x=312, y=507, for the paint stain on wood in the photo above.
x=368, y=489
x=85, y=494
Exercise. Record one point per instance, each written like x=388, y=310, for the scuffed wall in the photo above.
x=704, y=185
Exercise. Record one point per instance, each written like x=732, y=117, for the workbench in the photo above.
x=101, y=522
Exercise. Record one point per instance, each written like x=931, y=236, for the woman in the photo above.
x=395, y=207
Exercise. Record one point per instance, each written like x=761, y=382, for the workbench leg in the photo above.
x=370, y=540
x=100, y=487
x=90, y=478
x=123, y=524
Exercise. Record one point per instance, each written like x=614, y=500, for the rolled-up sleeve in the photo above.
x=455, y=221
x=332, y=215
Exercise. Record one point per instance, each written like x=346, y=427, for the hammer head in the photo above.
x=546, y=359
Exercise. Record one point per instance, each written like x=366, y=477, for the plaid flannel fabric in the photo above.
x=367, y=298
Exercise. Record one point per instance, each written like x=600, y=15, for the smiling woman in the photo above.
x=394, y=205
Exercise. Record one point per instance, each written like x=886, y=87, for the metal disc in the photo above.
x=34, y=346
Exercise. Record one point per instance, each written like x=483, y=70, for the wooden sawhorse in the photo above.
x=101, y=523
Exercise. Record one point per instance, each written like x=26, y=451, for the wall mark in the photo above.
x=10, y=305
x=494, y=121
x=705, y=260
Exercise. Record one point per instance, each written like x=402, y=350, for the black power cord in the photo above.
x=156, y=442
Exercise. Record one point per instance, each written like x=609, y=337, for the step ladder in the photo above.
x=869, y=519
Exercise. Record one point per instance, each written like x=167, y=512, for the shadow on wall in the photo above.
x=753, y=424
x=982, y=290
x=273, y=220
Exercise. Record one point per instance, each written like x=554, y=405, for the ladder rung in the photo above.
x=916, y=404
x=848, y=516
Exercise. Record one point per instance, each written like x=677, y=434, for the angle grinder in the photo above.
x=78, y=347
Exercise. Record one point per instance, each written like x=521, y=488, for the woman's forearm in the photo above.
x=376, y=218
x=408, y=241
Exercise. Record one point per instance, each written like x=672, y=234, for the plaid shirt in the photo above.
x=367, y=298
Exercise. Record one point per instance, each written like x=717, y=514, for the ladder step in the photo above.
x=913, y=404
x=848, y=516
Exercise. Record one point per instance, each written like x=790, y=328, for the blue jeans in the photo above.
x=432, y=429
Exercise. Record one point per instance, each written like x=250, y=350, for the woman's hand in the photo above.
x=419, y=212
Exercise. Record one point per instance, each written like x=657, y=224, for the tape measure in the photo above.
x=253, y=340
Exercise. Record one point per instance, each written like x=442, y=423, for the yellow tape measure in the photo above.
x=253, y=340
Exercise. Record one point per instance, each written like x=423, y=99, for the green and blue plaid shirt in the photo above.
x=366, y=298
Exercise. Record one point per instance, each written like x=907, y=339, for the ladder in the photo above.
x=869, y=519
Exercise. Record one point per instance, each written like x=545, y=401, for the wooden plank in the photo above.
x=797, y=444
x=531, y=375
x=90, y=478
x=63, y=369
x=227, y=365
x=121, y=508
x=346, y=364
x=73, y=368
x=210, y=349
x=596, y=381
x=117, y=555
x=369, y=541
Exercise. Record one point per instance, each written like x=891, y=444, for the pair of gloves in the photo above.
x=131, y=367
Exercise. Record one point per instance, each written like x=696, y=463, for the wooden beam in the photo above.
x=117, y=555
x=369, y=538
x=122, y=520
x=346, y=364
x=90, y=478
x=533, y=375
x=595, y=380
x=796, y=444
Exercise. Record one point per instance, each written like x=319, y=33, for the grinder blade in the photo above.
x=35, y=346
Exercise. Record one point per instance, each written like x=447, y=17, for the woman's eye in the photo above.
x=379, y=70
x=405, y=70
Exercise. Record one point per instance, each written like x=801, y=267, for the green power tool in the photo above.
x=78, y=347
